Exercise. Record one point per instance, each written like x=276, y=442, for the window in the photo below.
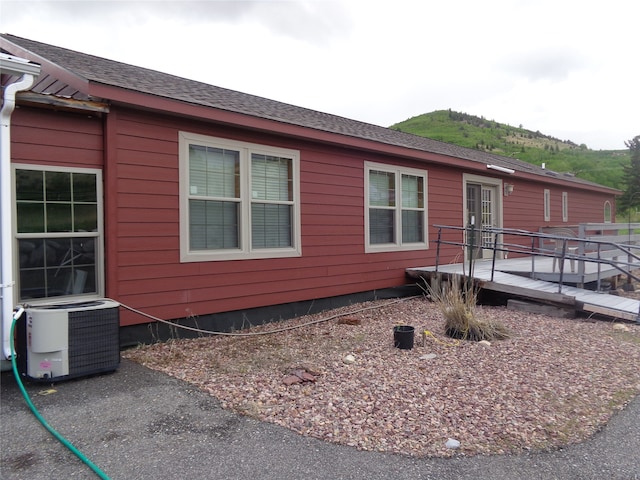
x=58, y=232
x=396, y=206
x=238, y=200
x=565, y=207
x=547, y=205
x=607, y=212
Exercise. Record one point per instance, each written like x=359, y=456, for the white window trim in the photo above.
x=98, y=235
x=398, y=245
x=565, y=207
x=245, y=252
x=607, y=206
x=547, y=205
x=499, y=202
x=488, y=181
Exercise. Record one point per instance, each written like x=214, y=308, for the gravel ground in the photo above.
x=554, y=382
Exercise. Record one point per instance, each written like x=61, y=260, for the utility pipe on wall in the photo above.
x=28, y=71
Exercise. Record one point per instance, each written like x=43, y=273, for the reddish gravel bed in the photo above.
x=553, y=383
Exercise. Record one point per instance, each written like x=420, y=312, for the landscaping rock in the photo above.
x=291, y=380
x=621, y=327
x=453, y=444
x=299, y=375
x=349, y=359
x=305, y=376
x=428, y=356
x=349, y=321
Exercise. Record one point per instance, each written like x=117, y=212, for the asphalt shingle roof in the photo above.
x=108, y=72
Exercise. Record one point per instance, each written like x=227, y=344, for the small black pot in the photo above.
x=403, y=336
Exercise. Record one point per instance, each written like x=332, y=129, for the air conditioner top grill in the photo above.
x=76, y=306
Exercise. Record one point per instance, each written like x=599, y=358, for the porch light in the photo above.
x=508, y=189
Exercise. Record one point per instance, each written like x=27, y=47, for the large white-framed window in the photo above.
x=547, y=205
x=565, y=207
x=58, y=231
x=396, y=208
x=238, y=200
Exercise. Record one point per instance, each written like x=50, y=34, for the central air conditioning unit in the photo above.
x=63, y=341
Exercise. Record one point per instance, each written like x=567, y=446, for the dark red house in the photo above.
x=183, y=199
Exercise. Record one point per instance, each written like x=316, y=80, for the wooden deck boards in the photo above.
x=581, y=299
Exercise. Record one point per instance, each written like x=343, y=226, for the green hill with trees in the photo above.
x=606, y=167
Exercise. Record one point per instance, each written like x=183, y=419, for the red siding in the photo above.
x=142, y=215
x=56, y=138
x=149, y=274
x=524, y=208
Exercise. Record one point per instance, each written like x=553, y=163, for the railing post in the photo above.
x=533, y=257
x=472, y=241
x=438, y=248
x=495, y=250
x=599, y=269
x=582, y=234
x=564, y=253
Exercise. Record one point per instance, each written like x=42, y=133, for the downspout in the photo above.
x=29, y=73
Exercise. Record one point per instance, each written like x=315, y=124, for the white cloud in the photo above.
x=565, y=68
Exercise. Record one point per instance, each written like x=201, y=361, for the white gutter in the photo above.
x=28, y=71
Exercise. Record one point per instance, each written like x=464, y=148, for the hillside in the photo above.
x=600, y=166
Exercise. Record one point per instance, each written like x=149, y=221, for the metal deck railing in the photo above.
x=623, y=258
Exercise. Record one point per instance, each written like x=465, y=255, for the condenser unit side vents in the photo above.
x=92, y=337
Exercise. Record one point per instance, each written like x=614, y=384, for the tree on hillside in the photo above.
x=631, y=196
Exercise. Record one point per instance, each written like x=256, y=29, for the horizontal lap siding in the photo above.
x=47, y=137
x=524, y=208
x=150, y=275
x=445, y=208
x=142, y=227
x=584, y=207
x=147, y=214
x=331, y=185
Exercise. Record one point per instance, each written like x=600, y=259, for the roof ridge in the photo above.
x=111, y=72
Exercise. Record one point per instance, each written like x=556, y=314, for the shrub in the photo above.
x=457, y=300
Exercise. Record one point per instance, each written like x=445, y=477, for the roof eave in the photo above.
x=173, y=106
x=72, y=79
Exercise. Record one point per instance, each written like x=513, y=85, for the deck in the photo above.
x=511, y=277
x=541, y=268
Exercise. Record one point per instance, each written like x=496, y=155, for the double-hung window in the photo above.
x=396, y=205
x=239, y=200
x=58, y=228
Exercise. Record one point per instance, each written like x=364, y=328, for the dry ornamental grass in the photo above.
x=553, y=382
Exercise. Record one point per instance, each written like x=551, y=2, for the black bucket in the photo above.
x=403, y=337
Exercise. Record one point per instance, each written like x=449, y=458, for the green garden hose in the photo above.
x=35, y=412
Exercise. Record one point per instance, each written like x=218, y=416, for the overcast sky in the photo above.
x=566, y=68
